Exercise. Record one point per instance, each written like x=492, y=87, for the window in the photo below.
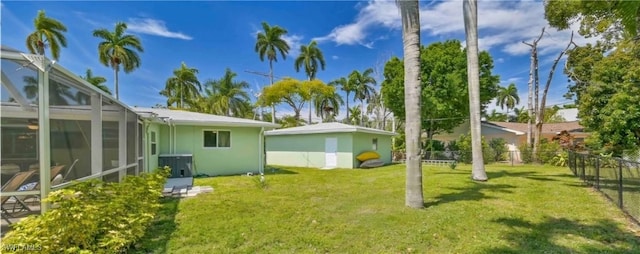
x=217, y=139
x=375, y=144
x=153, y=143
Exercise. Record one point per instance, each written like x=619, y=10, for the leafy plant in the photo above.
x=560, y=159
x=498, y=148
x=93, y=216
x=260, y=182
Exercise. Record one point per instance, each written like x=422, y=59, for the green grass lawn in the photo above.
x=521, y=209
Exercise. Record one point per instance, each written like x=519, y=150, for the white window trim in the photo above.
x=153, y=140
x=374, y=144
x=216, y=131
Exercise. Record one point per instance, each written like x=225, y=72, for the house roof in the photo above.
x=553, y=128
x=181, y=117
x=326, y=128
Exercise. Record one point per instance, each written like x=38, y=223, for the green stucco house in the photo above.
x=325, y=145
x=215, y=145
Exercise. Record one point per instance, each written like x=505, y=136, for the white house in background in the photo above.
x=569, y=114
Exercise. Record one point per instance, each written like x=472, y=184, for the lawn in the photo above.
x=521, y=209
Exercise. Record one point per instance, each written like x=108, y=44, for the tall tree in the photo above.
x=48, y=34
x=346, y=87
x=311, y=58
x=97, y=81
x=268, y=43
x=328, y=105
x=226, y=96
x=532, y=98
x=184, y=84
x=470, y=13
x=445, y=95
x=377, y=108
x=294, y=93
x=363, y=87
x=410, y=15
x=508, y=96
x=118, y=48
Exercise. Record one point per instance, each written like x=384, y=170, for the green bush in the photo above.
x=464, y=145
x=498, y=149
x=93, y=216
x=526, y=153
x=547, y=150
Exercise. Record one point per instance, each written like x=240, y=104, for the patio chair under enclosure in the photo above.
x=72, y=124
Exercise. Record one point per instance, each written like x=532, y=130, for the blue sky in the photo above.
x=212, y=36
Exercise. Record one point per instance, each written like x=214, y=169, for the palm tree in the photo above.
x=227, y=97
x=363, y=87
x=345, y=86
x=470, y=13
x=310, y=57
x=268, y=43
x=184, y=83
x=328, y=106
x=118, y=49
x=355, y=116
x=410, y=14
x=508, y=96
x=48, y=34
x=96, y=81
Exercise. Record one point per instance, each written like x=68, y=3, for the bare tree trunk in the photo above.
x=410, y=14
x=546, y=88
x=532, y=78
x=470, y=13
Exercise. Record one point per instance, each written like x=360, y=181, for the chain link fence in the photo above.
x=618, y=179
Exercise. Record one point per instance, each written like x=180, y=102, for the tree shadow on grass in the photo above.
x=476, y=192
x=602, y=236
x=532, y=175
x=271, y=170
x=157, y=236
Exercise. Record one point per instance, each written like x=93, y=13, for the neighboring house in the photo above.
x=216, y=145
x=569, y=114
x=325, y=145
x=515, y=134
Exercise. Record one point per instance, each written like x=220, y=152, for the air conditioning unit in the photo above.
x=181, y=164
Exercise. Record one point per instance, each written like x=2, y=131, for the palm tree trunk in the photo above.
x=115, y=70
x=347, y=102
x=411, y=40
x=361, y=112
x=470, y=13
x=273, y=107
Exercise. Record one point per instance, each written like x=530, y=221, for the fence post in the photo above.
x=597, y=173
x=620, y=203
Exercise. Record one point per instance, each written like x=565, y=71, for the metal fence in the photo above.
x=618, y=179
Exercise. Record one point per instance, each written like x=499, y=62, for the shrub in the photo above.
x=526, y=153
x=547, y=150
x=464, y=145
x=560, y=159
x=498, y=149
x=93, y=216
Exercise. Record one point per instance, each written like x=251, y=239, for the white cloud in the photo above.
x=375, y=13
x=154, y=27
x=334, y=57
x=502, y=25
x=294, y=41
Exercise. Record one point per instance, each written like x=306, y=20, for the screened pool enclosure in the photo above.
x=56, y=128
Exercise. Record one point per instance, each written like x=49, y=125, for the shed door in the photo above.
x=331, y=152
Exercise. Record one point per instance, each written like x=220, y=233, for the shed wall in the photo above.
x=307, y=150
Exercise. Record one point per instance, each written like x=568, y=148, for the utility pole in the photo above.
x=273, y=107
